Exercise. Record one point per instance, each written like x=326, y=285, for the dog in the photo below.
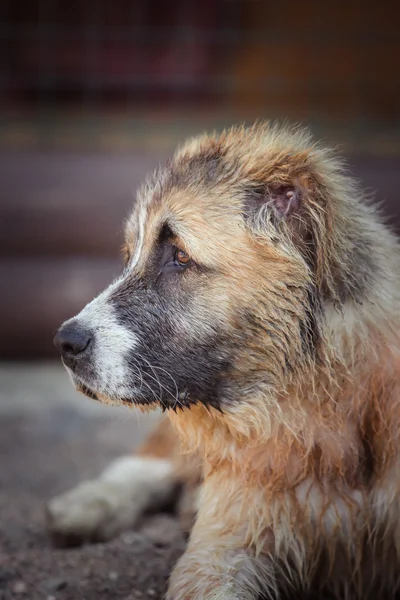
x=259, y=308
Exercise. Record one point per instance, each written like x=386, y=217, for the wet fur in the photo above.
x=294, y=407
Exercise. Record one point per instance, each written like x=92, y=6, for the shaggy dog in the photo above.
x=259, y=308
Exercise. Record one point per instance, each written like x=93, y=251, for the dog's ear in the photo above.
x=287, y=210
x=274, y=203
x=284, y=200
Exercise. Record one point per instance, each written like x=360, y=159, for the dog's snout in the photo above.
x=72, y=340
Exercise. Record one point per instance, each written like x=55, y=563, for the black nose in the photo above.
x=72, y=339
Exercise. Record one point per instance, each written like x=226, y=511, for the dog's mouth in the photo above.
x=94, y=394
x=103, y=398
x=86, y=391
x=141, y=403
x=180, y=401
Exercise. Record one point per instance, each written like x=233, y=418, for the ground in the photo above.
x=50, y=439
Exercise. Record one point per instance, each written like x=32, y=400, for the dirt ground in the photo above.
x=48, y=442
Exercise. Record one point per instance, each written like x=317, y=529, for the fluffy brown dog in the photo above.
x=259, y=307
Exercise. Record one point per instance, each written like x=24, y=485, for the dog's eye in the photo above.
x=181, y=258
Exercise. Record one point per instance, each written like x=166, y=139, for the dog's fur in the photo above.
x=274, y=348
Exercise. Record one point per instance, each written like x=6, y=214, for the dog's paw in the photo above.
x=89, y=512
x=98, y=510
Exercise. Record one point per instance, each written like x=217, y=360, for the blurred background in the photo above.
x=93, y=94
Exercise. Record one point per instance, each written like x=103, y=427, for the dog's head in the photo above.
x=231, y=253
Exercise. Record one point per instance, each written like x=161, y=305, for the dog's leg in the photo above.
x=218, y=563
x=216, y=573
x=99, y=509
x=213, y=570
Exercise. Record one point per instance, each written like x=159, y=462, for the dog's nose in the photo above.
x=72, y=340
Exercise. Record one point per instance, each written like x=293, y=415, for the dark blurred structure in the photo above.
x=95, y=93
x=301, y=59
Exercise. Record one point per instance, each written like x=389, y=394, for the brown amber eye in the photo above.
x=181, y=258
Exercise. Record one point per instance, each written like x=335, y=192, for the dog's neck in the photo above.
x=315, y=426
